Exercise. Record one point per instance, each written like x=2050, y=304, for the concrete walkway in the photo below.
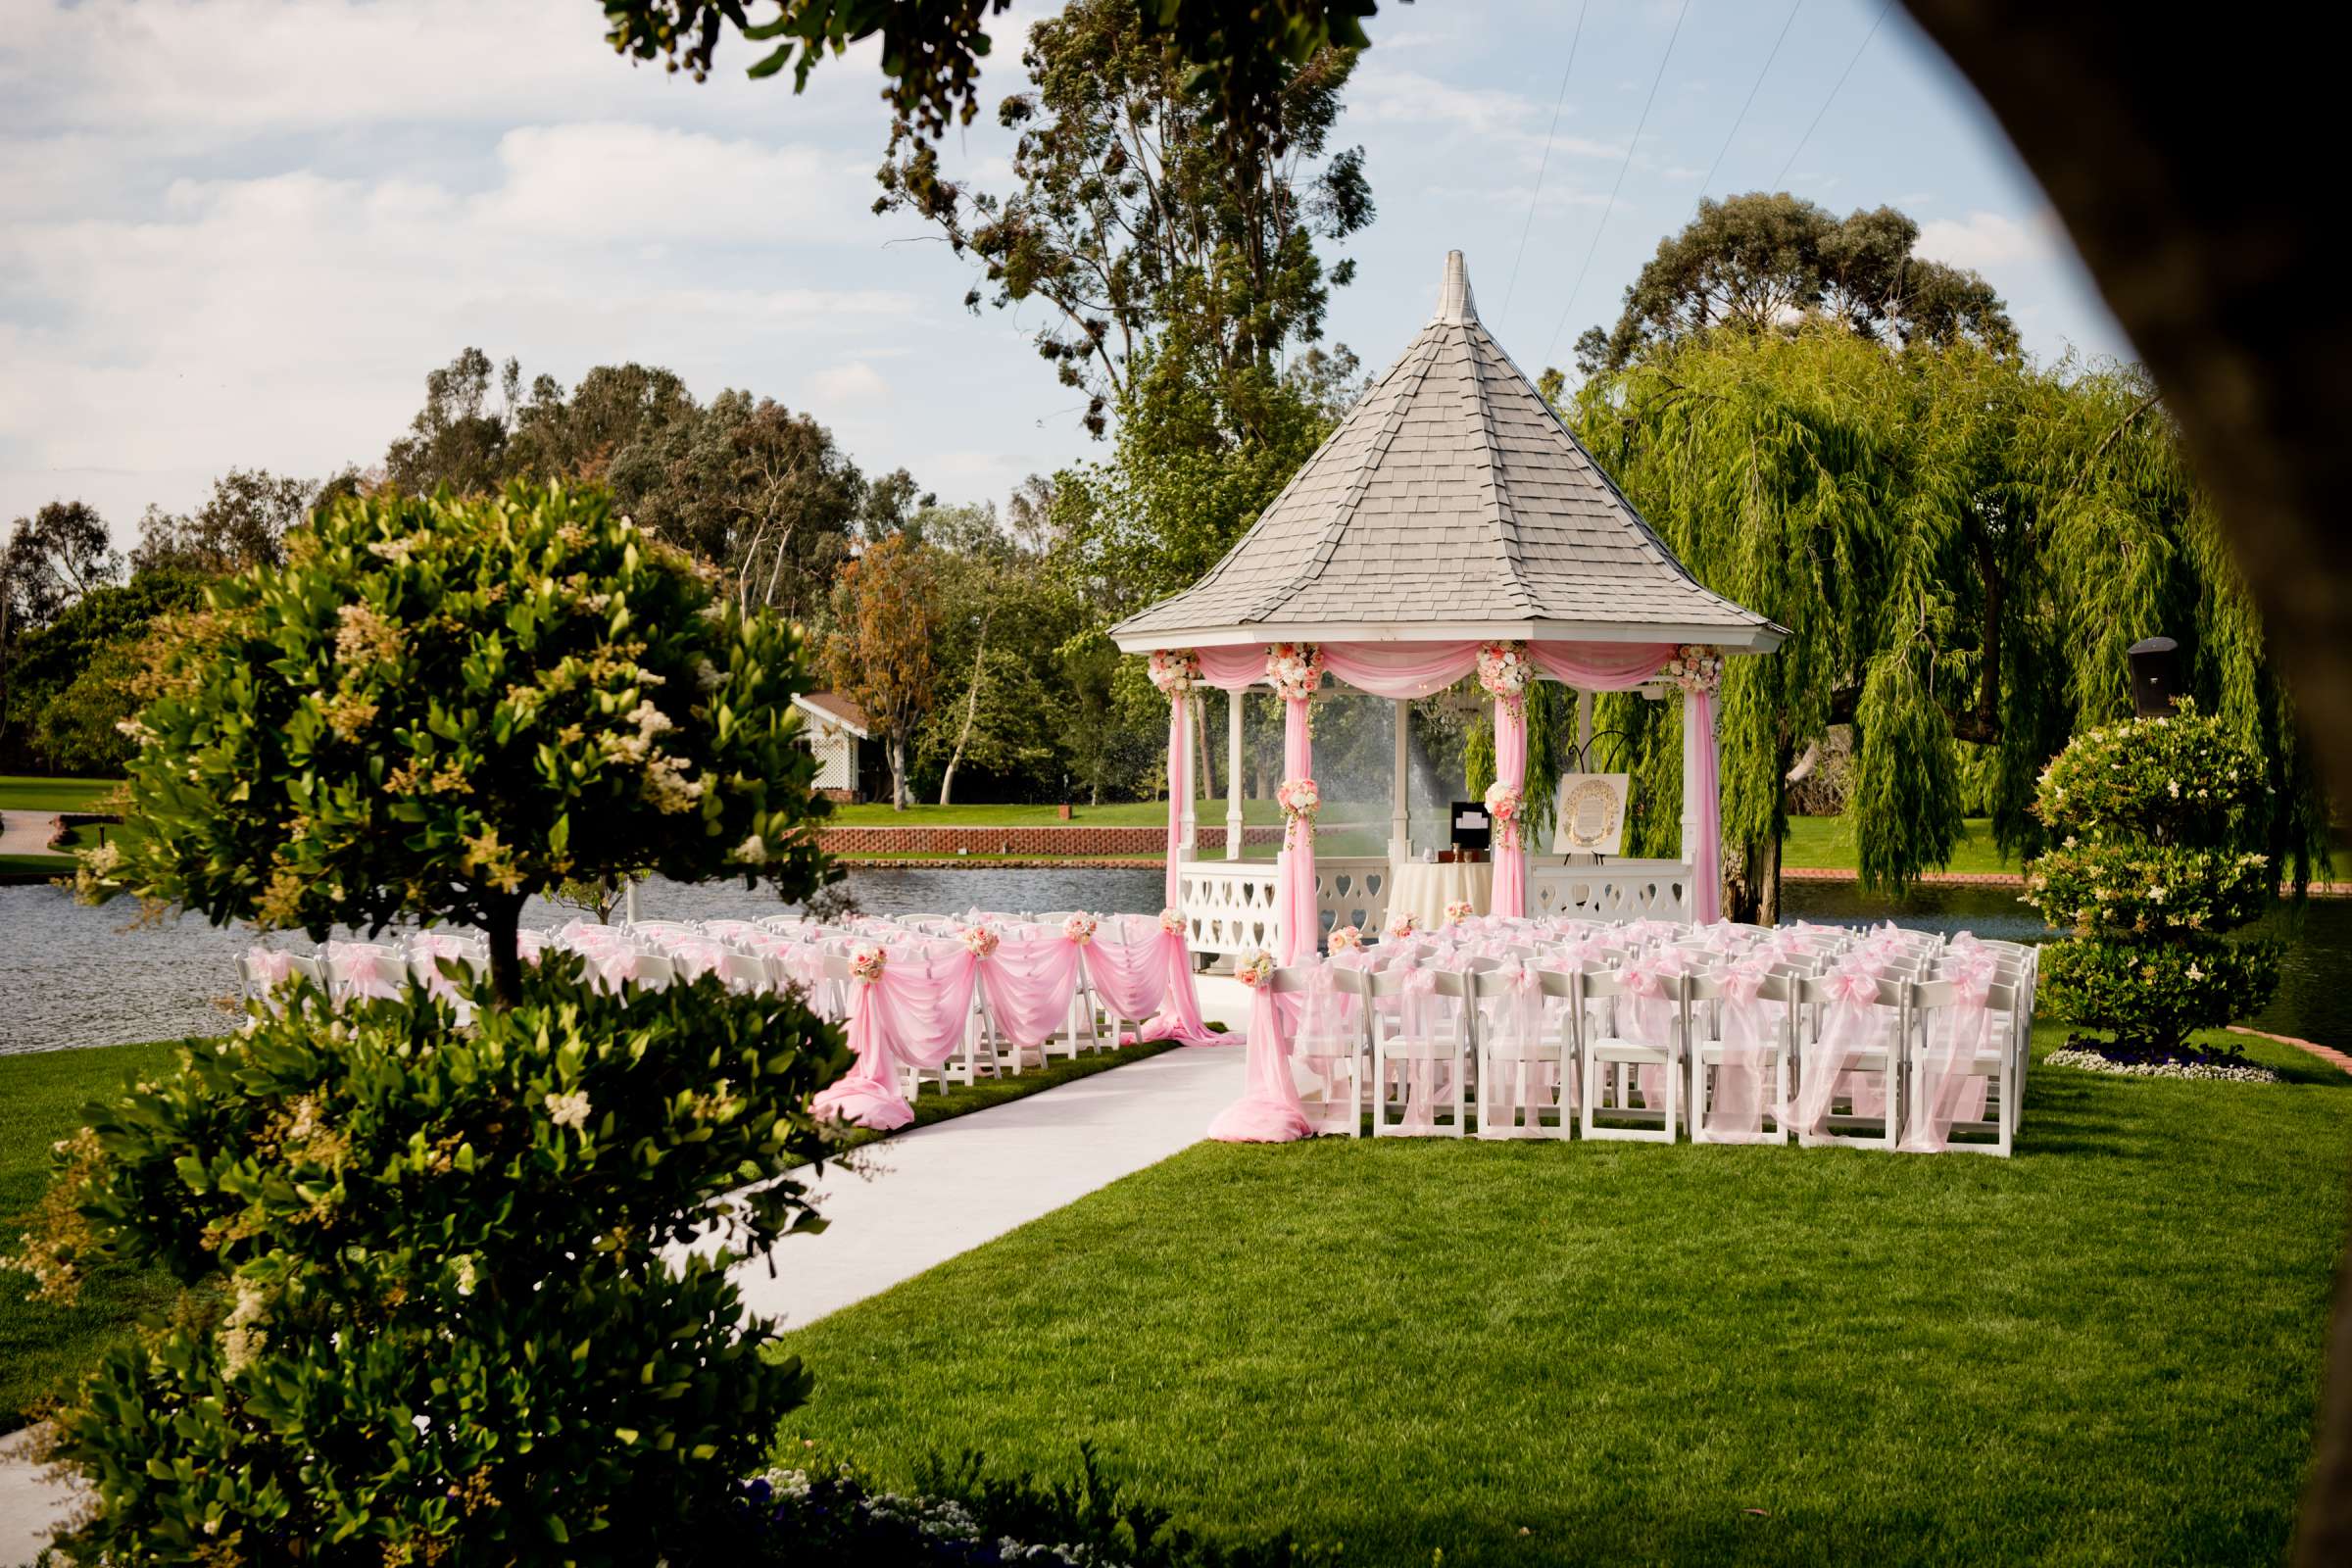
x=910, y=1201
x=929, y=1194
x=24, y=833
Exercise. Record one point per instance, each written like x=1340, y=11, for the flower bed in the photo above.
x=2219, y=1066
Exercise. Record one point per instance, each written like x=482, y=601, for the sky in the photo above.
x=240, y=232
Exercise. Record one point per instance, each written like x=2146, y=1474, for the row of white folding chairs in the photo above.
x=1581, y=1043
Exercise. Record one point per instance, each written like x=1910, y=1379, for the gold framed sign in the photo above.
x=1591, y=813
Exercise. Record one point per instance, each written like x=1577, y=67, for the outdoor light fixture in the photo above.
x=2155, y=676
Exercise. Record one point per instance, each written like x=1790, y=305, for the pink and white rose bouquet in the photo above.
x=1079, y=928
x=1505, y=803
x=1175, y=670
x=866, y=964
x=1299, y=798
x=1505, y=671
x=1403, y=923
x=1172, y=920
x=1458, y=911
x=980, y=939
x=1345, y=939
x=1695, y=667
x=1254, y=970
x=1293, y=670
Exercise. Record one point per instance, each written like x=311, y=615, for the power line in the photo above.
x=1604, y=224
x=1780, y=178
x=1741, y=118
x=1559, y=101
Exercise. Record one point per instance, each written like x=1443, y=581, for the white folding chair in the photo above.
x=1933, y=1006
x=1337, y=1109
x=1709, y=1051
x=1523, y=1075
x=1879, y=1056
x=1613, y=1059
x=1430, y=1062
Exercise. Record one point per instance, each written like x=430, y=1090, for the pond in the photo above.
x=78, y=976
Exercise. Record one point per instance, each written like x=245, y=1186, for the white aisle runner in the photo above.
x=934, y=1192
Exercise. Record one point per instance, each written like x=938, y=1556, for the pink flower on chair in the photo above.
x=1255, y=970
x=1345, y=938
x=1403, y=924
x=866, y=964
x=1172, y=920
x=980, y=939
x=1079, y=928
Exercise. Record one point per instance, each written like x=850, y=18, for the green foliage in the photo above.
x=2003, y=531
x=75, y=679
x=2150, y=872
x=1760, y=260
x=1477, y=757
x=432, y=1303
x=243, y=524
x=437, y=708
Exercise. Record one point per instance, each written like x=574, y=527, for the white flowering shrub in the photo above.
x=433, y=1308
x=436, y=708
x=2149, y=873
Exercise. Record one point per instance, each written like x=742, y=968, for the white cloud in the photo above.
x=854, y=382
x=1986, y=240
x=1498, y=120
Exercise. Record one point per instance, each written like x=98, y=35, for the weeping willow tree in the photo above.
x=1963, y=546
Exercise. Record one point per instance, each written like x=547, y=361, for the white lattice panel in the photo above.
x=1622, y=890
x=1229, y=905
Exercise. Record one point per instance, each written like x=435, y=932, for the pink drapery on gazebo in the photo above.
x=1417, y=670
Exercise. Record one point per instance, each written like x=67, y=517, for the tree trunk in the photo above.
x=896, y=749
x=501, y=920
x=971, y=709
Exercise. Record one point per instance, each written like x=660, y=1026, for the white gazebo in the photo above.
x=1451, y=523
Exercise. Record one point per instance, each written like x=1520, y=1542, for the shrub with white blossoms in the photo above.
x=2149, y=873
x=436, y=1300
x=436, y=708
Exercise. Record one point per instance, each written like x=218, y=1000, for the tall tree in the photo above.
x=49, y=560
x=576, y=436
x=459, y=438
x=1767, y=261
x=1163, y=240
x=242, y=524
x=880, y=654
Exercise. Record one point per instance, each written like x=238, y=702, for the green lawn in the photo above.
x=2106, y=1350
x=1828, y=842
x=19, y=792
x=41, y=1095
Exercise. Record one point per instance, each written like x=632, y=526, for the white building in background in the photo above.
x=850, y=765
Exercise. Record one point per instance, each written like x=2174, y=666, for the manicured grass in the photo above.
x=21, y=792
x=2106, y=1350
x=41, y=1095
x=1828, y=842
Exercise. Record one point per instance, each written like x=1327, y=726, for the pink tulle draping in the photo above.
x=1179, y=1016
x=1738, y=1111
x=1029, y=982
x=1510, y=846
x=1655, y=1002
x=1706, y=787
x=914, y=1015
x=1598, y=666
x=1950, y=1089
x=1399, y=669
x=1231, y=670
x=1180, y=791
x=1294, y=903
x=1852, y=1024
x=1269, y=1110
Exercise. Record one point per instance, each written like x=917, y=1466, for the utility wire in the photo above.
x=1741, y=118
x=1559, y=101
x=1604, y=224
x=1780, y=178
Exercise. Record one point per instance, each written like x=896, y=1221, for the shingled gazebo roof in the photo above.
x=1450, y=502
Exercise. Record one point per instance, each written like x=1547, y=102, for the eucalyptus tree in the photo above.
x=1964, y=546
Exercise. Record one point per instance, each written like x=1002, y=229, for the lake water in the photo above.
x=77, y=976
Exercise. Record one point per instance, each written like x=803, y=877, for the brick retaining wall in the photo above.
x=1076, y=839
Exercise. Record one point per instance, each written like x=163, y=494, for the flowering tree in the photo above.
x=438, y=708
x=2148, y=874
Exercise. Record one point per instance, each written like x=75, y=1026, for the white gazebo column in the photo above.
x=1233, y=775
x=1688, y=850
x=1400, y=814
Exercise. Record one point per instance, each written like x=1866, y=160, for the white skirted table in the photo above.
x=1424, y=888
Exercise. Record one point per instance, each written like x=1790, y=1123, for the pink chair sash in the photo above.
x=1738, y=1108
x=1950, y=1089
x=913, y=1015
x=1852, y=1024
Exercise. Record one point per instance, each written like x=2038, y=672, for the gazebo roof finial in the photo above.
x=1455, y=306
